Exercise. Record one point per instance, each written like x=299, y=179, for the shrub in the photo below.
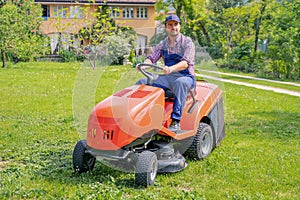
x=70, y=56
x=215, y=51
x=137, y=60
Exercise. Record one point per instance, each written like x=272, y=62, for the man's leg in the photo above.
x=181, y=88
x=142, y=81
x=161, y=82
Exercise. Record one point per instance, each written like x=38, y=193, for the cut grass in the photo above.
x=258, y=159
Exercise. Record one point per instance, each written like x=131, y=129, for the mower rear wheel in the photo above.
x=146, y=168
x=82, y=161
x=203, y=143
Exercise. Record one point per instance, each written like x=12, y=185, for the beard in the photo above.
x=174, y=33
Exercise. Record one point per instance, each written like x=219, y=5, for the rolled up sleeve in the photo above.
x=156, y=54
x=189, y=53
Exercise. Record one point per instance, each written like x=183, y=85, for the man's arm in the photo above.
x=154, y=57
x=148, y=61
x=182, y=65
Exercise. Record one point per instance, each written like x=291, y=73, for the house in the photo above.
x=138, y=14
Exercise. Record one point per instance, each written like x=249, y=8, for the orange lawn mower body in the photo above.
x=130, y=129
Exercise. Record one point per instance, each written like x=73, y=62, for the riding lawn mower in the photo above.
x=129, y=129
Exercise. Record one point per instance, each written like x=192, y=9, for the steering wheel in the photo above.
x=151, y=76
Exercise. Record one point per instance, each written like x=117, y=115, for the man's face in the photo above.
x=172, y=28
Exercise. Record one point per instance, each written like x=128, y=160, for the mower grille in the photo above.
x=108, y=134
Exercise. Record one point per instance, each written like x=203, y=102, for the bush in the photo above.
x=157, y=38
x=215, y=52
x=120, y=45
x=70, y=56
x=242, y=58
x=137, y=60
x=241, y=51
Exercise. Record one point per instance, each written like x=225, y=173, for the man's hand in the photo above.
x=167, y=70
x=142, y=67
x=147, y=61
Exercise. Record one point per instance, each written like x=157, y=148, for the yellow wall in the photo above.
x=145, y=27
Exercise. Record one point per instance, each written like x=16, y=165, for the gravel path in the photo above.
x=253, y=78
x=263, y=87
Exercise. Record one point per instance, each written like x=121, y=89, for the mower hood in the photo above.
x=125, y=116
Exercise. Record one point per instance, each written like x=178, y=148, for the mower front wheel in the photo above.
x=82, y=161
x=146, y=168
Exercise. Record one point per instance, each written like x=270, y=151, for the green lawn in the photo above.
x=258, y=159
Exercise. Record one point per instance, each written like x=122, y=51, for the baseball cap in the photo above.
x=172, y=18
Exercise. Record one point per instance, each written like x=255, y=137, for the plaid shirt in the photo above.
x=181, y=43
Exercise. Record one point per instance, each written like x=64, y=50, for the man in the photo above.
x=178, y=52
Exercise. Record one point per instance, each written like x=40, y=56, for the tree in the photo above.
x=19, y=29
x=94, y=33
x=196, y=21
x=119, y=45
x=258, y=22
x=282, y=32
x=99, y=38
x=193, y=16
x=232, y=30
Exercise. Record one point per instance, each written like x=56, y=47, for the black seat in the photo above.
x=169, y=94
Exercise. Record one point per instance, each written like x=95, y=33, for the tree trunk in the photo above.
x=3, y=58
x=178, y=9
x=258, y=24
x=204, y=31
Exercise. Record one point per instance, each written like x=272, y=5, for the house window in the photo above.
x=46, y=11
x=76, y=12
x=142, y=12
x=114, y=11
x=60, y=11
x=128, y=12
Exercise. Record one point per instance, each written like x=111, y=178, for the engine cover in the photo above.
x=125, y=116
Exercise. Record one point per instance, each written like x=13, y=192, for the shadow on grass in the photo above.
x=58, y=167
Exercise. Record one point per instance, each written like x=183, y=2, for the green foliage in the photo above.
x=138, y=60
x=231, y=31
x=120, y=45
x=19, y=30
x=33, y=47
x=243, y=50
x=103, y=41
x=157, y=38
x=70, y=56
x=131, y=56
x=283, y=45
x=103, y=26
x=215, y=51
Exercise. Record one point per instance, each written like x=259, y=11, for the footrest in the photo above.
x=181, y=134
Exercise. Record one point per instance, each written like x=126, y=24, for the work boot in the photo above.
x=174, y=126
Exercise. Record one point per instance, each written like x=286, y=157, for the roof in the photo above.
x=97, y=1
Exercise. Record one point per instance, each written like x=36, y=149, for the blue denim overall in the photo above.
x=179, y=83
